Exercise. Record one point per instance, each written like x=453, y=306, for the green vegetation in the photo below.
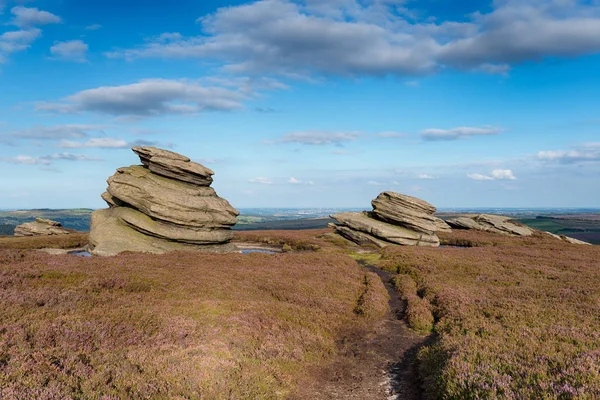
x=7, y=230
x=582, y=227
x=516, y=318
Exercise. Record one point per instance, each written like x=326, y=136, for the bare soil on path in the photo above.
x=374, y=365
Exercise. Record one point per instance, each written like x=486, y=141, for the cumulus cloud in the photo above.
x=458, y=133
x=47, y=160
x=32, y=16
x=586, y=153
x=150, y=98
x=71, y=50
x=496, y=175
x=15, y=41
x=318, y=138
x=376, y=38
x=261, y=181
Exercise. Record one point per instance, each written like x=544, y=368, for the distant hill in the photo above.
x=77, y=218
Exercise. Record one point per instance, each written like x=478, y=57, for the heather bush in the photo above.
x=174, y=326
x=517, y=319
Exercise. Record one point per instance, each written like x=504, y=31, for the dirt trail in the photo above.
x=376, y=366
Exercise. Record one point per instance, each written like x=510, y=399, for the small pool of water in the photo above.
x=80, y=253
x=264, y=251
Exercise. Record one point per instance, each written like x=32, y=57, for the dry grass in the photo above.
x=70, y=241
x=516, y=318
x=174, y=326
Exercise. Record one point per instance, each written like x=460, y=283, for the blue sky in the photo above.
x=305, y=103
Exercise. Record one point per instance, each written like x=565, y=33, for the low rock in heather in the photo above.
x=41, y=227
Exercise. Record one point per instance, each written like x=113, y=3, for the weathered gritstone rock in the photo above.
x=163, y=206
x=362, y=222
x=41, y=227
x=442, y=226
x=357, y=237
x=491, y=223
x=169, y=200
x=172, y=165
x=407, y=211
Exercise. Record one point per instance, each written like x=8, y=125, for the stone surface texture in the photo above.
x=396, y=219
x=165, y=205
x=491, y=223
x=41, y=227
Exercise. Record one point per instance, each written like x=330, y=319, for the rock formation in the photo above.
x=395, y=219
x=491, y=223
x=41, y=227
x=165, y=205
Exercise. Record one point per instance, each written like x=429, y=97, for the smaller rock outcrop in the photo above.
x=396, y=219
x=41, y=227
x=567, y=239
x=491, y=223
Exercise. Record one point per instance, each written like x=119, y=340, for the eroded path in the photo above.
x=376, y=366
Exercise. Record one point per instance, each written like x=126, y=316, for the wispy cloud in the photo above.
x=93, y=27
x=261, y=181
x=56, y=132
x=319, y=138
x=390, y=135
x=49, y=159
x=295, y=181
x=585, y=153
x=458, y=133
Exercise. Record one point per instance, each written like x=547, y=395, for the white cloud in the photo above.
x=150, y=98
x=93, y=27
x=377, y=38
x=497, y=174
x=320, y=138
x=425, y=176
x=71, y=50
x=32, y=16
x=585, y=153
x=262, y=181
x=458, y=133
x=295, y=181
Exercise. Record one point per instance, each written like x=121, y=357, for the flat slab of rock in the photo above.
x=41, y=227
x=442, y=226
x=359, y=238
x=391, y=233
x=169, y=200
x=110, y=236
x=465, y=223
x=174, y=166
x=406, y=211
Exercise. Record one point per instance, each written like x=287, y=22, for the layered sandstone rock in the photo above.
x=165, y=205
x=491, y=223
x=41, y=227
x=395, y=219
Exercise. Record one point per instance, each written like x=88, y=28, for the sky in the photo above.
x=305, y=103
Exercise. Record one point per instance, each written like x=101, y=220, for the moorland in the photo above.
x=499, y=317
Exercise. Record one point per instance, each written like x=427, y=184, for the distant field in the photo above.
x=316, y=223
x=78, y=219
x=582, y=227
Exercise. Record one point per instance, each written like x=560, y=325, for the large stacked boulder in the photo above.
x=164, y=205
x=41, y=227
x=491, y=223
x=396, y=219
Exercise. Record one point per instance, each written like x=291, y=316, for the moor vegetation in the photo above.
x=511, y=318
x=179, y=326
x=71, y=241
